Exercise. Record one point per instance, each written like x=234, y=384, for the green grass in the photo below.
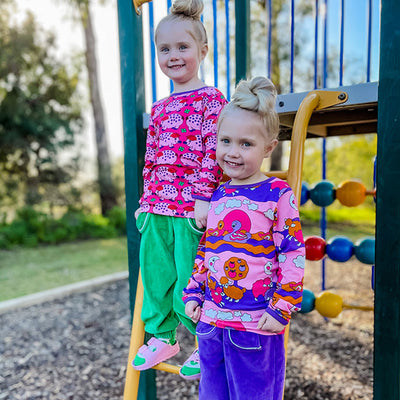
x=29, y=270
x=353, y=232
x=354, y=223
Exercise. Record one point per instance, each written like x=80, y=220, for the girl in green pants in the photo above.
x=180, y=175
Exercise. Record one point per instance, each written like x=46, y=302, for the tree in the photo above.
x=39, y=110
x=107, y=191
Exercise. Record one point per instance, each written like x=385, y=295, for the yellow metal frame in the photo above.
x=315, y=100
x=138, y=3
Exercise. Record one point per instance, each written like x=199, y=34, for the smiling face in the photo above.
x=180, y=54
x=243, y=144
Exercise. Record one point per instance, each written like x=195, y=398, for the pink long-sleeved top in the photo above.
x=180, y=163
x=251, y=258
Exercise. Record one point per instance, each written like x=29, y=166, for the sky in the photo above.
x=54, y=16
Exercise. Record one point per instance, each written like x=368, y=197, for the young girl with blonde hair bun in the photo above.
x=248, y=274
x=180, y=175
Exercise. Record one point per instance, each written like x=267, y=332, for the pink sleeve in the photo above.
x=151, y=145
x=289, y=242
x=210, y=173
x=195, y=288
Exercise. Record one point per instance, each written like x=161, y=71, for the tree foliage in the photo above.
x=39, y=112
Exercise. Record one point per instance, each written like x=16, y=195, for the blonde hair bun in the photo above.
x=257, y=95
x=188, y=8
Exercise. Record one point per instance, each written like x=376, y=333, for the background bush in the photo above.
x=31, y=228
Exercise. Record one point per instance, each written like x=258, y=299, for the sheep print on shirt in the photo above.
x=180, y=163
x=251, y=258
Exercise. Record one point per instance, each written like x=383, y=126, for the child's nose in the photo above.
x=233, y=150
x=173, y=55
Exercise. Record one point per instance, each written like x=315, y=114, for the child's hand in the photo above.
x=193, y=310
x=201, y=212
x=268, y=323
x=137, y=212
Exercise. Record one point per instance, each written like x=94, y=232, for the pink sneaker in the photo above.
x=191, y=368
x=154, y=352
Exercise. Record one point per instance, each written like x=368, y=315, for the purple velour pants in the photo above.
x=237, y=365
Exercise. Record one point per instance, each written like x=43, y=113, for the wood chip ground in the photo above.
x=77, y=347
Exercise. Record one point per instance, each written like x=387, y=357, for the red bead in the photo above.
x=315, y=248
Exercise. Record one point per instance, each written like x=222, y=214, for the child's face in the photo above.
x=242, y=145
x=179, y=54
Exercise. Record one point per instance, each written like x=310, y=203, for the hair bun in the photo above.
x=188, y=8
x=258, y=95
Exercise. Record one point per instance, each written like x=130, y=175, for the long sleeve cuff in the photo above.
x=277, y=315
x=188, y=298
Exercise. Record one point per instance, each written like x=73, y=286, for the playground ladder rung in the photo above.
x=174, y=369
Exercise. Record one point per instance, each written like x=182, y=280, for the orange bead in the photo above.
x=351, y=193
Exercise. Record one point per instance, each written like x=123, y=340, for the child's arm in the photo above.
x=201, y=212
x=151, y=147
x=195, y=288
x=288, y=239
x=210, y=172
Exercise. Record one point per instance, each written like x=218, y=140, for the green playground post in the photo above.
x=133, y=107
x=242, y=39
x=387, y=266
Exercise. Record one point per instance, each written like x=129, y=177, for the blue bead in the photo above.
x=305, y=193
x=339, y=249
x=323, y=194
x=364, y=250
x=308, y=301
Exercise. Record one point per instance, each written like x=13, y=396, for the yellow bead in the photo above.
x=329, y=305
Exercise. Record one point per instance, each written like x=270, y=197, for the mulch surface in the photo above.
x=77, y=347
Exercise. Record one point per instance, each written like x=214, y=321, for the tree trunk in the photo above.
x=107, y=190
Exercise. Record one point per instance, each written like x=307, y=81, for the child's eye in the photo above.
x=164, y=50
x=183, y=47
x=246, y=144
x=225, y=141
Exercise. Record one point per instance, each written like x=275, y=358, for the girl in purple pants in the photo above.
x=249, y=268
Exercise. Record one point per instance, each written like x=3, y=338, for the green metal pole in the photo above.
x=242, y=39
x=387, y=268
x=133, y=107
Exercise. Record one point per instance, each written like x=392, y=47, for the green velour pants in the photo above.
x=167, y=251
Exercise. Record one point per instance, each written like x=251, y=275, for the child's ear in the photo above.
x=270, y=147
x=203, y=51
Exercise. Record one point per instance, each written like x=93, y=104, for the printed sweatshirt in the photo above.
x=180, y=163
x=251, y=257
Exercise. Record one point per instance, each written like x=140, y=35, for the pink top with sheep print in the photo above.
x=180, y=163
x=251, y=257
